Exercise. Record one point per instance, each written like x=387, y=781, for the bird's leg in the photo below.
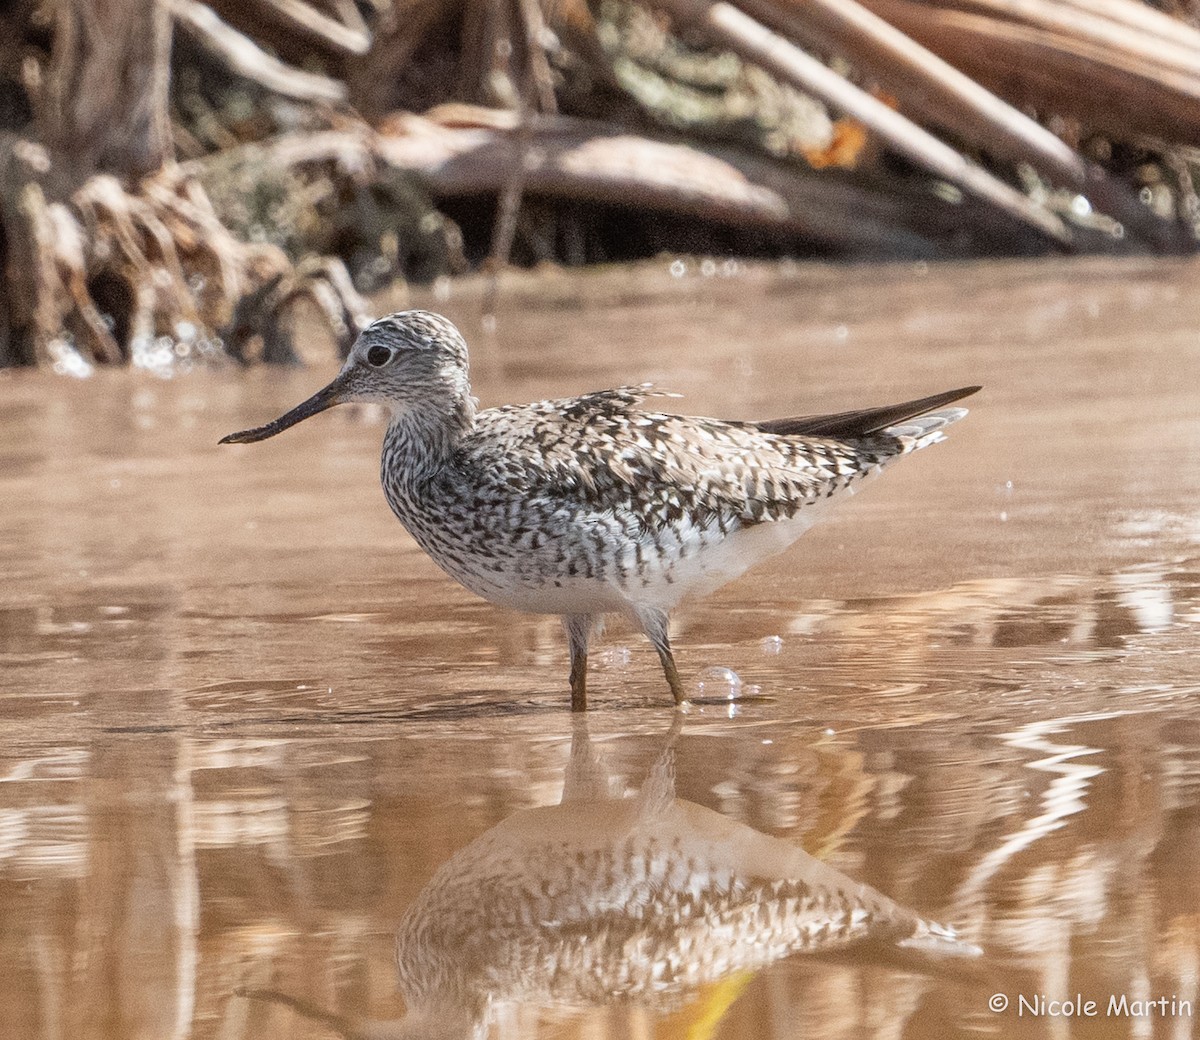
x=654, y=624
x=658, y=791
x=579, y=629
x=588, y=777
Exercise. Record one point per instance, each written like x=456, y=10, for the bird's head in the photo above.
x=412, y=362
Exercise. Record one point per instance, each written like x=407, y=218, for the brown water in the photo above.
x=245, y=720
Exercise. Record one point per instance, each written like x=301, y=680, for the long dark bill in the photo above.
x=319, y=401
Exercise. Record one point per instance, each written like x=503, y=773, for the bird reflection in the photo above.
x=643, y=900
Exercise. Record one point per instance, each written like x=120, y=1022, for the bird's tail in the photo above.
x=923, y=430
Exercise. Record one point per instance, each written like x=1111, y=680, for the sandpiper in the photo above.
x=597, y=504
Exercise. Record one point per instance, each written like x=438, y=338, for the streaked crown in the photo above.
x=409, y=358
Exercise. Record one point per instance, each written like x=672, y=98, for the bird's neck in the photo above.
x=421, y=440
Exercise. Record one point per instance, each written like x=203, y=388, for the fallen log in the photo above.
x=585, y=161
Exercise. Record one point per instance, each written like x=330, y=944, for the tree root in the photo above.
x=147, y=275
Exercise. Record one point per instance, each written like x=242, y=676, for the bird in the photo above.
x=597, y=504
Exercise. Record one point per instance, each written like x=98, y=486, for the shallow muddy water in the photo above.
x=246, y=721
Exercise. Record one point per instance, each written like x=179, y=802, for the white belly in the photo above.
x=698, y=562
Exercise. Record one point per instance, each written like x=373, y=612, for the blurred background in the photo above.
x=247, y=722
x=189, y=172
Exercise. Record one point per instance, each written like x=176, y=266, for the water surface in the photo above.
x=246, y=720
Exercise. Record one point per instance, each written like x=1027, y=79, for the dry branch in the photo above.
x=468, y=152
x=307, y=21
x=243, y=56
x=1116, y=75
x=731, y=28
x=942, y=96
x=104, y=105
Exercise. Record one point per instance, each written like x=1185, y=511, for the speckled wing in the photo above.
x=604, y=450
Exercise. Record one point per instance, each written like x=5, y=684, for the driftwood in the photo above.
x=111, y=251
x=320, y=28
x=104, y=107
x=113, y=275
x=110, y=248
x=1119, y=67
x=730, y=27
x=939, y=95
x=576, y=160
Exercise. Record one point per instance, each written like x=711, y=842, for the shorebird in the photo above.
x=597, y=504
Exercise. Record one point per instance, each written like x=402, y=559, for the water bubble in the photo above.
x=678, y=269
x=772, y=645
x=719, y=684
x=708, y=268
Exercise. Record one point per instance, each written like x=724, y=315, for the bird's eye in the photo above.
x=379, y=356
